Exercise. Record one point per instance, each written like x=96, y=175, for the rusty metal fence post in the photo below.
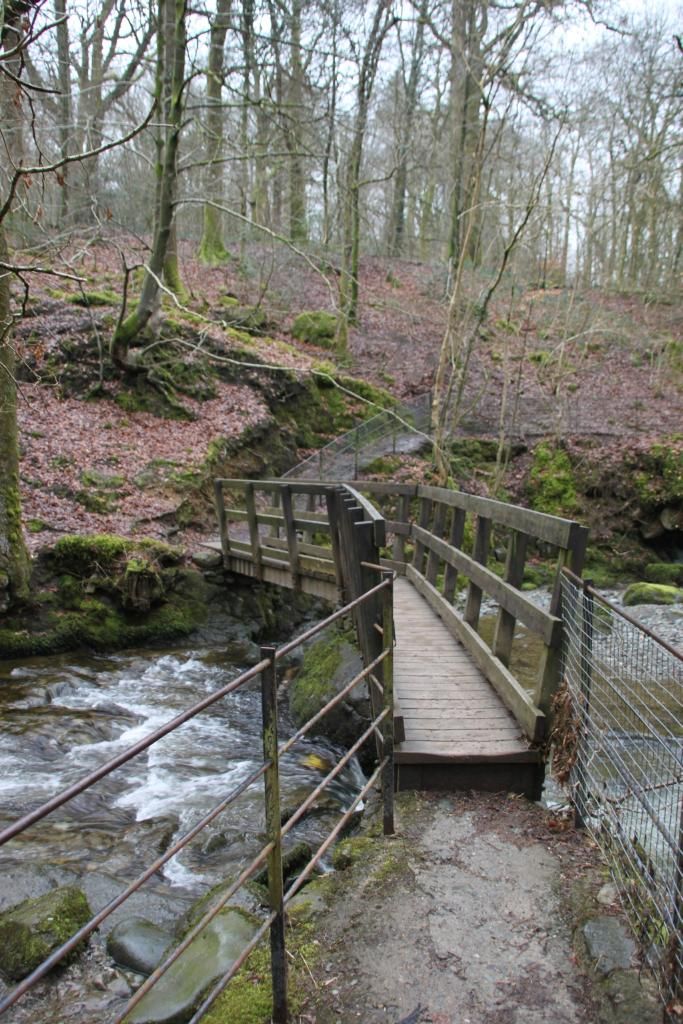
x=278, y=956
x=388, y=697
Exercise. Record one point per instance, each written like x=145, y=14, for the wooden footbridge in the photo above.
x=462, y=717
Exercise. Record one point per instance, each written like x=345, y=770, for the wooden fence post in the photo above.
x=222, y=518
x=292, y=539
x=426, y=505
x=514, y=574
x=455, y=539
x=254, y=535
x=399, y=550
x=482, y=538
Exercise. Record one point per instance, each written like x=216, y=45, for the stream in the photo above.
x=63, y=716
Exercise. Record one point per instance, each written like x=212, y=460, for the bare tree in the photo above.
x=170, y=87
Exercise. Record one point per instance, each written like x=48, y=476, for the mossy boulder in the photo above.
x=316, y=328
x=651, y=593
x=250, y=319
x=31, y=931
x=328, y=666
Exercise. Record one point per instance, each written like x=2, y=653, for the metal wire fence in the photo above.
x=390, y=431
x=619, y=730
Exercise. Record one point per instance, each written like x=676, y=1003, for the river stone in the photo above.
x=207, y=559
x=138, y=944
x=609, y=944
x=178, y=993
x=651, y=593
x=32, y=930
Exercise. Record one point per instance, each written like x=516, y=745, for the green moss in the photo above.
x=551, y=484
x=351, y=850
x=94, y=501
x=109, y=482
x=84, y=555
x=36, y=525
x=95, y=298
x=316, y=328
x=651, y=593
x=378, y=396
x=383, y=465
x=468, y=455
x=669, y=573
x=250, y=319
x=311, y=689
x=31, y=931
x=97, y=625
x=111, y=593
x=248, y=998
x=660, y=482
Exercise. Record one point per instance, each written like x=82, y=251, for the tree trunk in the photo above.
x=348, y=287
x=65, y=103
x=172, y=15
x=211, y=248
x=405, y=137
x=14, y=572
x=298, y=230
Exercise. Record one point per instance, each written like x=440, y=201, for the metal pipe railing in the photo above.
x=271, y=852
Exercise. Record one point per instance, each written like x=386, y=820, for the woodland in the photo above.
x=229, y=231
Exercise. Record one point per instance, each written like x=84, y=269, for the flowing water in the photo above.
x=62, y=717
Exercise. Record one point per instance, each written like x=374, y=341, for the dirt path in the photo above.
x=472, y=915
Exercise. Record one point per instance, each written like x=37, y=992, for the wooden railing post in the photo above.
x=437, y=531
x=388, y=695
x=399, y=549
x=455, y=538
x=426, y=505
x=275, y=500
x=333, y=504
x=480, y=554
x=278, y=956
x=292, y=539
x=254, y=536
x=514, y=574
x=222, y=518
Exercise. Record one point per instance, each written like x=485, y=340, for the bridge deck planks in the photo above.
x=451, y=713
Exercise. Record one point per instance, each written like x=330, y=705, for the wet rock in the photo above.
x=294, y=861
x=138, y=944
x=32, y=930
x=207, y=559
x=243, y=652
x=608, y=895
x=329, y=665
x=174, y=998
x=609, y=944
